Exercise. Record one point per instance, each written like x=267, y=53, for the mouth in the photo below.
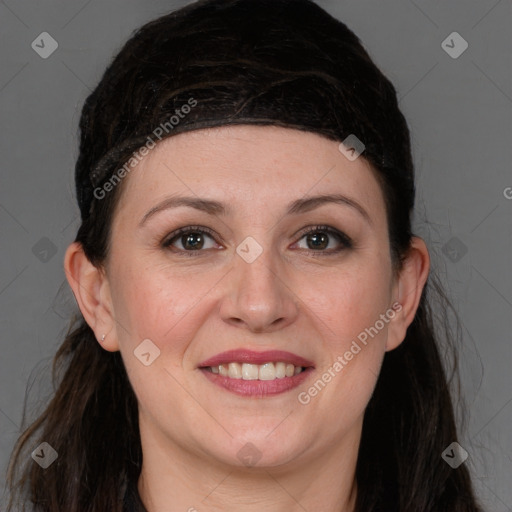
x=256, y=374
x=247, y=371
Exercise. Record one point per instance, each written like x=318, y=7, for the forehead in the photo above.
x=249, y=167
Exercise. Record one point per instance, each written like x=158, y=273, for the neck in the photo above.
x=173, y=477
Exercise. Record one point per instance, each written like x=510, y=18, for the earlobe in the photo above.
x=91, y=290
x=408, y=290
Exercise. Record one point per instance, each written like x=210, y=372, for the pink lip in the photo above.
x=251, y=357
x=257, y=388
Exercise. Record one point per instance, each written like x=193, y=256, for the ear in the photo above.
x=407, y=291
x=92, y=293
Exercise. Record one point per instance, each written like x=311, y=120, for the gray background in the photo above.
x=459, y=111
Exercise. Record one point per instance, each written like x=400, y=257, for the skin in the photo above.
x=292, y=297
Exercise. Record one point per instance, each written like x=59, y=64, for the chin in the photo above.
x=262, y=448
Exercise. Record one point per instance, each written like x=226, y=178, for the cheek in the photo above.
x=160, y=304
x=348, y=301
x=349, y=306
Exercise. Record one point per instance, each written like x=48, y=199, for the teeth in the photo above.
x=234, y=371
x=280, y=370
x=267, y=371
x=249, y=371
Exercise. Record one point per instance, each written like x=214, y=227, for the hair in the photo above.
x=268, y=62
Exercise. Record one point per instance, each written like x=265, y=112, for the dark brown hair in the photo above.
x=269, y=62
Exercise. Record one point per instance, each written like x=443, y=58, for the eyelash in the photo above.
x=345, y=241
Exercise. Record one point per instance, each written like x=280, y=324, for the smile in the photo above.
x=247, y=371
x=256, y=374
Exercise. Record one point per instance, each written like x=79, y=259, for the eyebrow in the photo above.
x=216, y=208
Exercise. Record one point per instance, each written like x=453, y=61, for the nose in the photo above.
x=259, y=296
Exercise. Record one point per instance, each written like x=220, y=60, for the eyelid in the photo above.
x=343, y=238
x=187, y=229
x=345, y=241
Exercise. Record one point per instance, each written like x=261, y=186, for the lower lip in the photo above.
x=257, y=388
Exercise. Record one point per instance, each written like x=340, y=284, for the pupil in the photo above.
x=319, y=240
x=192, y=241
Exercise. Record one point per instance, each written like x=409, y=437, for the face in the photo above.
x=250, y=262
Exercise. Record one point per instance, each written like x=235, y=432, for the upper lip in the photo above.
x=251, y=357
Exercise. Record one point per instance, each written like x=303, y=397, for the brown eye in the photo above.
x=317, y=240
x=320, y=238
x=190, y=239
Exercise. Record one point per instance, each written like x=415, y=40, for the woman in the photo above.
x=255, y=331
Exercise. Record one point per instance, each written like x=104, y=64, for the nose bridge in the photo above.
x=258, y=297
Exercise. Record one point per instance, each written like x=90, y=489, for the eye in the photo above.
x=320, y=238
x=190, y=239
